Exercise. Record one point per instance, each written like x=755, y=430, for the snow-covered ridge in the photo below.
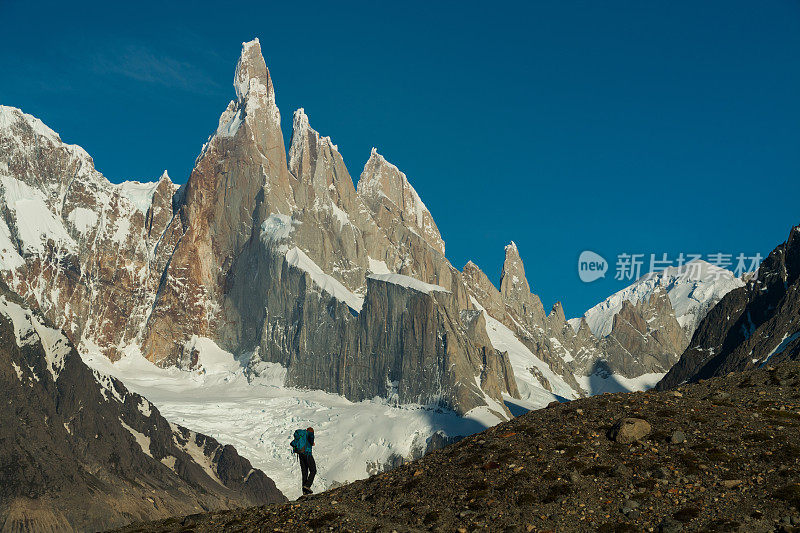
x=408, y=282
x=140, y=193
x=10, y=116
x=692, y=289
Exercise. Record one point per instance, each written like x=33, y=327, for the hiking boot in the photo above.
x=307, y=490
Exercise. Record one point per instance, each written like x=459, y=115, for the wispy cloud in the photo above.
x=143, y=64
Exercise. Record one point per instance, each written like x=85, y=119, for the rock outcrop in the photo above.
x=751, y=326
x=80, y=452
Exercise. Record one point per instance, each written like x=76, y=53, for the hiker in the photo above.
x=301, y=445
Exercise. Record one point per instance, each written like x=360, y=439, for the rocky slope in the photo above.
x=722, y=455
x=78, y=451
x=752, y=325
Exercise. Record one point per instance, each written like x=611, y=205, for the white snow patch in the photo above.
x=17, y=369
x=141, y=439
x=297, y=258
x=408, y=282
x=258, y=415
x=144, y=407
x=599, y=383
x=378, y=267
x=36, y=224
x=123, y=230
x=82, y=219
x=277, y=228
x=169, y=462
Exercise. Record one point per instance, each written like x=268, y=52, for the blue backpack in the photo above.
x=300, y=442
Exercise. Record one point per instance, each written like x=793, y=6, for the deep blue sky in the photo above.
x=646, y=127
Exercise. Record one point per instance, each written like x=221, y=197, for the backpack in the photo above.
x=300, y=442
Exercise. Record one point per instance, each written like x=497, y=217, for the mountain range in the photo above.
x=271, y=268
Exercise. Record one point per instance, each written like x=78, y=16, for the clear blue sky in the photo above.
x=639, y=127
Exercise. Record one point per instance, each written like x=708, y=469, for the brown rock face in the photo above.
x=240, y=174
x=83, y=250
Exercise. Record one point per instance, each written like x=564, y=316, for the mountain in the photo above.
x=693, y=289
x=306, y=284
x=716, y=456
x=275, y=260
x=78, y=451
x=627, y=342
x=752, y=325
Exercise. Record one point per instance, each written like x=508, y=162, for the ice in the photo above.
x=277, y=228
x=140, y=194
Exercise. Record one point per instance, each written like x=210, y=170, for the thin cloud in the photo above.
x=142, y=64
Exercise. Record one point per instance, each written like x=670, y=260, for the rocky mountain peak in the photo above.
x=513, y=283
x=557, y=314
x=252, y=76
x=383, y=185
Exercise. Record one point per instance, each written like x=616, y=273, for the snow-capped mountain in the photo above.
x=693, y=289
x=81, y=453
x=304, y=282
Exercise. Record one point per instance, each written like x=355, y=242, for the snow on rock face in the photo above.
x=277, y=228
x=408, y=282
x=141, y=194
x=297, y=258
x=36, y=224
x=29, y=330
x=692, y=289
